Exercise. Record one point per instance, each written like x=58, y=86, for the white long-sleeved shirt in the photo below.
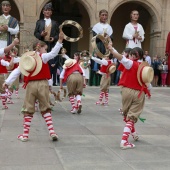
x=45, y=58
x=99, y=61
x=148, y=59
x=4, y=63
x=65, y=56
x=16, y=60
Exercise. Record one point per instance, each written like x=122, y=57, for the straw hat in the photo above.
x=30, y=62
x=145, y=73
x=69, y=63
x=111, y=68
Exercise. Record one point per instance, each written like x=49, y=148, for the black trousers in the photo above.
x=53, y=72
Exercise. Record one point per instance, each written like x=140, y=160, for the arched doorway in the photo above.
x=72, y=10
x=121, y=17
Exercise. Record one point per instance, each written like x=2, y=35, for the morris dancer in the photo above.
x=3, y=70
x=74, y=76
x=15, y=85
x=133, y=91
x=36, y=72
x=107, y=67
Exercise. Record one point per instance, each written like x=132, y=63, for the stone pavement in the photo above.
x=89, y=141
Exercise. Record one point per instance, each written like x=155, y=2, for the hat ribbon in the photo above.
x=30, y=74
x=144, y=88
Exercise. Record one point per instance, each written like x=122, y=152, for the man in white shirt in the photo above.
x=147, y=57
x=8, y=25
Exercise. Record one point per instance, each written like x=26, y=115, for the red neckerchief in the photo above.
x=144, y=87
x=30, y=74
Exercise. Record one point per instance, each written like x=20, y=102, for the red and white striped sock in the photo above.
x=49, y=122
x=106, y=97
x=71, y=99
x=9, y=94
x=3, y=99
x=101, y=96
x=26, y=125
x=127, y=131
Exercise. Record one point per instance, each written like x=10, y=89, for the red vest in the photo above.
x=3, y=69
x=15, y=66
x=121, y=67
x=7, y=58
x=70, y=70
x=129, y=77
x=42, y=75
x=103, y=68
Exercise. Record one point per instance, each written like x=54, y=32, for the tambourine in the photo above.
x=105, y=42
x=58, y=96
x=85, y=55
x=54, y=94
x=70, y=22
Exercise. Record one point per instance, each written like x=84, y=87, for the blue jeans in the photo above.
x=117, y=77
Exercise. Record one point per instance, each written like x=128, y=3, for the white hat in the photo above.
x=145, y=73
x=69, y=63
x=30, y=62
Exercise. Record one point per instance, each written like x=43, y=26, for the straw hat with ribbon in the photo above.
x=111, y=68
x=69, y=63
x=145, y=75
x=30, y=65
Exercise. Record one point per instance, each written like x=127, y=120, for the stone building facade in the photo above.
x=154, y=16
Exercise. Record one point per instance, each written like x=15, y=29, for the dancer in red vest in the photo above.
x=107, y=67
x=34, y=66
x=3, y=70
x=74, y=76
x=15, y=85
x=134, y=88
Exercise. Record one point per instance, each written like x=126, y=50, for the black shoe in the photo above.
x=54, y=84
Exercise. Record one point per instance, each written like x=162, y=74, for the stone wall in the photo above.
x=29, y=12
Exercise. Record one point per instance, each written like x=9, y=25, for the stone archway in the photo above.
x=149, y=18
x=71, y=10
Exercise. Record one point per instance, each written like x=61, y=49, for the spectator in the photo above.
x=147, y=57
x=164, y=72
x=155, y=65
